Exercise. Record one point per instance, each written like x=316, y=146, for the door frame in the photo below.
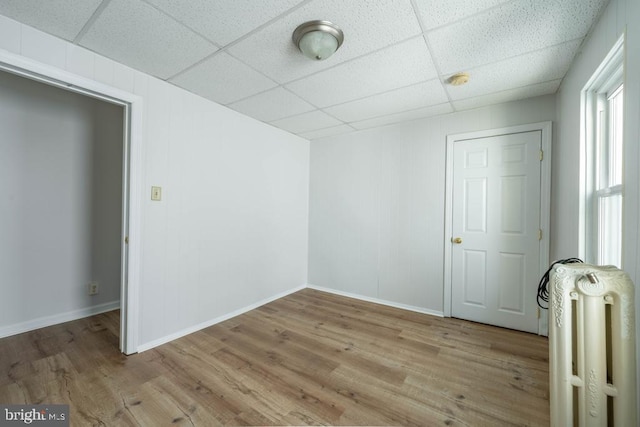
x=545, y=203
x=133, y=151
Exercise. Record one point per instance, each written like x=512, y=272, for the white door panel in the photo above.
x=496, y=214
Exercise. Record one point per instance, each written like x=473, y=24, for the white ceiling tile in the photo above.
x=223, y=79
x=307, y=122
x=383, y=73
x=508, y=95
x=435, y=13
x=62, y=18
x=368, y=25
x=137, y=34
x=322, y=133
x=272, y=105
x=420, y=113
x=395, y=101
x=223, y=21
x=550, y=64
x=509, y=30
x=400, y=65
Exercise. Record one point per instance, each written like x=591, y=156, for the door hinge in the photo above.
x=539, y=234
x=541, y=155
x=538, y=312
x=126, y=240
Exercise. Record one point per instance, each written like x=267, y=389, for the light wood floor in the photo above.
x=308, y=358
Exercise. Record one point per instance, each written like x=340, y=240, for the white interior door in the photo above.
x=495, y=249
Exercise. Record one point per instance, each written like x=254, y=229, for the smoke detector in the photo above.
x=459, y=79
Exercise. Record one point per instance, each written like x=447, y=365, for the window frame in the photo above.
x=605, y=83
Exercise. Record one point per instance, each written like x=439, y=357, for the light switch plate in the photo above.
x=156, y=193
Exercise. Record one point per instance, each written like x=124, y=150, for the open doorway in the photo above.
x=67, y=208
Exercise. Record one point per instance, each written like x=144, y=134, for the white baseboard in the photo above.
x=195, y=328
x=43, y=322
x=378, y=301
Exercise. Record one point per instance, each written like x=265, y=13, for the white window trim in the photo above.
x=607, y=77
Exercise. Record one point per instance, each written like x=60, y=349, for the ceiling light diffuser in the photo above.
x=318, y=40
x=459, y=79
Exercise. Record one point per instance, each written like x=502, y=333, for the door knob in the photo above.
x=456, y=240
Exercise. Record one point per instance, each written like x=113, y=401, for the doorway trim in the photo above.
x=133, y=152
x=545, y=203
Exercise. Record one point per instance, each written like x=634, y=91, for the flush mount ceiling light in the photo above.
x=459, y=79
x=318, y=39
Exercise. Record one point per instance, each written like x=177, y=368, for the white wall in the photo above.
x=620, y=15
x=106, y=199
x=231, y=230
x=376, y=220
x=60, y=187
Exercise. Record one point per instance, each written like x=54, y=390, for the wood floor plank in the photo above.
x=310, y=358
x=289, y=371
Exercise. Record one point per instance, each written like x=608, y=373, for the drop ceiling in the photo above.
x=393, y=66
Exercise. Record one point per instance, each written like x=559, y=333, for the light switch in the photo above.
x=156, y=193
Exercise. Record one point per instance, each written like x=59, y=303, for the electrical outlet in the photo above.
x=94, y=288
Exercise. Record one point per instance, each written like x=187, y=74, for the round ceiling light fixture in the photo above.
x=318, y=40
x=459, y=79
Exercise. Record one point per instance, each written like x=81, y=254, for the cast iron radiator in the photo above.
x=592, y=365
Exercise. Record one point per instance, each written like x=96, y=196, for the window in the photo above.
x=608, y=186
x=603, y=101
